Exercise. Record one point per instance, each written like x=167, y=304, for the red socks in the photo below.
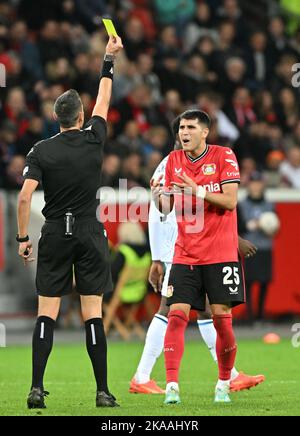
x=226, y=346
x=174, y=343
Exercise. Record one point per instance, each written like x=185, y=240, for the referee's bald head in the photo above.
x=67, y=108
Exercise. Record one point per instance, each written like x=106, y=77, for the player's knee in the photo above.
x=204, y=315
x=163, y=308
x=176, y=319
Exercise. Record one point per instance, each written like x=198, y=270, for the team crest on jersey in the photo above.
x=209, y=169
x=170, y=291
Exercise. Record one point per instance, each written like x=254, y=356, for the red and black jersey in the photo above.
x=215, y=239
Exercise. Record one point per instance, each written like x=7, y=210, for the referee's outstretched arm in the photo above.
x=105, y=88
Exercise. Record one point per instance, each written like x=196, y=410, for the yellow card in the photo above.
x=109, y=26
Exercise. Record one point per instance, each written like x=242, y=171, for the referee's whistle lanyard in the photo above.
x=69, y=221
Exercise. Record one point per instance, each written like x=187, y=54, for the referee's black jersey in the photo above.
x=68, y=166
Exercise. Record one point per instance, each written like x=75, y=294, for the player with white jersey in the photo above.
x=163, y=234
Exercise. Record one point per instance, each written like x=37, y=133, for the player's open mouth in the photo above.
x=185, y=141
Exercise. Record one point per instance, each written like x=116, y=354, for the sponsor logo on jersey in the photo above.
x=25, y=171
x=178, y=170
x=229, y=152
x=170, y=291
x=233, y=163
x=209, y=169
x=233, y=174
x=212, y=187
x=233, y=290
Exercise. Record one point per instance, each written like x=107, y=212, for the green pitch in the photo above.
x=69, y=379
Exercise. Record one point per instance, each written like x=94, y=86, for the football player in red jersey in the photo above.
x=206, y=250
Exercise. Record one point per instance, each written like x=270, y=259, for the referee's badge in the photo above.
x=209, y=169
x=170, y=291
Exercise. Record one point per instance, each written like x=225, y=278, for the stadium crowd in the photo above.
x=230, y=58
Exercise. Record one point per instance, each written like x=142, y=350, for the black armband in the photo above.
x=25, y=239
x=108, y=67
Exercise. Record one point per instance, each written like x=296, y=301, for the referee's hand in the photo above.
x=156, y=275
x=114, y=45
x=25, y=252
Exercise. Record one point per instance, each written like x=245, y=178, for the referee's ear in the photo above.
x=81, y=119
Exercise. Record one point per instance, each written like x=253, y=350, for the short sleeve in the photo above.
x=32, y=168
x=229, y=167
x=96, y=129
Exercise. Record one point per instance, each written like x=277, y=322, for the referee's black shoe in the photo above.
x=105, y=400
x=35, y=398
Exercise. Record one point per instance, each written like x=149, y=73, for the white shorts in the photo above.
x=164, y=289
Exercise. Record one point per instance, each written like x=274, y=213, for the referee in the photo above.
x=68, y=166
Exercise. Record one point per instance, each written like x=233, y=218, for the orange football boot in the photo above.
x=244, y=381
x=145, y=388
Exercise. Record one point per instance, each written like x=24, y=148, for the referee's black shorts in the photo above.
x=85, y=254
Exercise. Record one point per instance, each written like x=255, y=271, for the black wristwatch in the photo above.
x=25, y=239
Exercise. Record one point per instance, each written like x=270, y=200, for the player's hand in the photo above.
x=188, y=186
x=156, y=188
x=114, y=45
x=25, y=252
x=156, y=275
x=246, y=248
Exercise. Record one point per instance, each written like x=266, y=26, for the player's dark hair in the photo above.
x=195, y=114
x=175, y=126
x=67, y=108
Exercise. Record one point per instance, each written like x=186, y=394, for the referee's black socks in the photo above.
x=42, y=342
x=97, y=349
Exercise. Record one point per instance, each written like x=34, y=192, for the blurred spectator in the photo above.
x=264, y=107
x=134, y=38
x=16, y=110
x=258, y=269
x=8, y=141
x=259, y=60
x=288, y=109
x=272, y=175
x=50, y=126
x=201, y=25
x=290, y=168
x=14, y=173
x=211, y=103
x=131, y=138
x=111, y=170
x=241, y=112
x=146, y=75
x=173, y=11
x=133, y=253
x=33, y=135
x=132, y=171
x=51, y=45
x=155, y=139
x=247, y=168
x=20, y=42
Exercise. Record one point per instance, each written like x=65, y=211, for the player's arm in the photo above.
x=246, y=248
x=156, y=272
x=24, y=205
x=113, y=47
x=227, y=199
x=163, y=202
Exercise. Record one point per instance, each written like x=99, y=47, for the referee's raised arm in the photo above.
x=114, y=45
